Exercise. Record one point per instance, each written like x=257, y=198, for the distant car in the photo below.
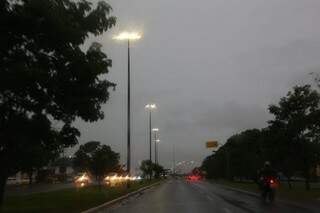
x=82, y=180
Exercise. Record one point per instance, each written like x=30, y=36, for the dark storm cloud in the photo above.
x=212, y=66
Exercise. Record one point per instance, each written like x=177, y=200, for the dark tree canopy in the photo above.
x=147, y=168
x=298, y=115
x=158, y=170
x=290, y=142
x=97, y=159
x=239, y=157
x=46, y=78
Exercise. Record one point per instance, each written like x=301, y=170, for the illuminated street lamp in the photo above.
x=150, y=108
x=155, y=130
x=128, y=36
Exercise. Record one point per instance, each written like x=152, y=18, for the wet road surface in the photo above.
x=177, y=196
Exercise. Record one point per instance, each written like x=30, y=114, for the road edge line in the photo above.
x=116, y=200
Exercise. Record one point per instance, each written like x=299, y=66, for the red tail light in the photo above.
x=193, y=177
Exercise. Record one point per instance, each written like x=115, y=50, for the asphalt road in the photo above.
x=177, y=196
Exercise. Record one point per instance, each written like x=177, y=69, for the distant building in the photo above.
x=61, y=167
x=19, y=178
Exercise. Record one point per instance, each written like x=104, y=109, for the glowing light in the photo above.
x=155, y=130
x=151, y=106
x=117, y=180
x=128, y=36
x=158, y=140
x=193, y=177
x=82, y=181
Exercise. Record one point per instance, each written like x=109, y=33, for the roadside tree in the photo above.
x=47, y=78
x=97, y=159
x=299, y=115
x=147, y=168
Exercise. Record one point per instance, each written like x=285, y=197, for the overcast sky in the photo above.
x=211, y=66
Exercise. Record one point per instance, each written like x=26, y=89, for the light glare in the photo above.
x=127, y=36
x=151, y=106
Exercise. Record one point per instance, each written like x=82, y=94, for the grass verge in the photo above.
x=68, y=200
x=297, y=193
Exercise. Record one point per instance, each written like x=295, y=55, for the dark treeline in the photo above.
x=150, y=169
x=47, y=80
x=290, y=142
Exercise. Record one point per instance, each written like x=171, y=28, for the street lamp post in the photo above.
x=128, y=36
x=155, y=130
x=156, y=150
x=150, y=107
x=173, y=159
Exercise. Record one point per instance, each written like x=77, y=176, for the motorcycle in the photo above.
x=269, y=186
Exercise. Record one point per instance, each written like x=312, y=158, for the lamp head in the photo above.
x=128, y=36
x=151, y=106
x=155, y=130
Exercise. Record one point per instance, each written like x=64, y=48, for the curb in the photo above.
x=114, y=201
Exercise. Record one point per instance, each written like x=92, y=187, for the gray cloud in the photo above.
x=212, y=66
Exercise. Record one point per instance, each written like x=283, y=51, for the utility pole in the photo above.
x=128, y=117
x=173, y=159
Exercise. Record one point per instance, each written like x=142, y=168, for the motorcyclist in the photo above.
x=264, y=174
x=267, y=171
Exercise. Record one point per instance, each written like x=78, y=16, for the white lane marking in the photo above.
x=227, y=210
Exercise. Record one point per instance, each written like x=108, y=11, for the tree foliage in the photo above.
x=150, y=169
x=97, y=159
x=290, y=142
x=158, y=170
x=299, y=116
x=238, y=158
x=147, y=168
x=46, y=77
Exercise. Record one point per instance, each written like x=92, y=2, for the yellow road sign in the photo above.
x=212, y=144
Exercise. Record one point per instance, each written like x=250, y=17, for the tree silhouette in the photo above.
x=46, y=76
x=97, y=159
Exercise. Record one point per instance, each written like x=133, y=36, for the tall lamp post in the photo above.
x=173, y=159
x=156, y=140
x=150, y=108
x=128, y=36
x=156, y=150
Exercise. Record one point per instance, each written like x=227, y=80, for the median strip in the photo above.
x=71, y=200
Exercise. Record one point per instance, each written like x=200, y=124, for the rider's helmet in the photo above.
x=267, y=164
